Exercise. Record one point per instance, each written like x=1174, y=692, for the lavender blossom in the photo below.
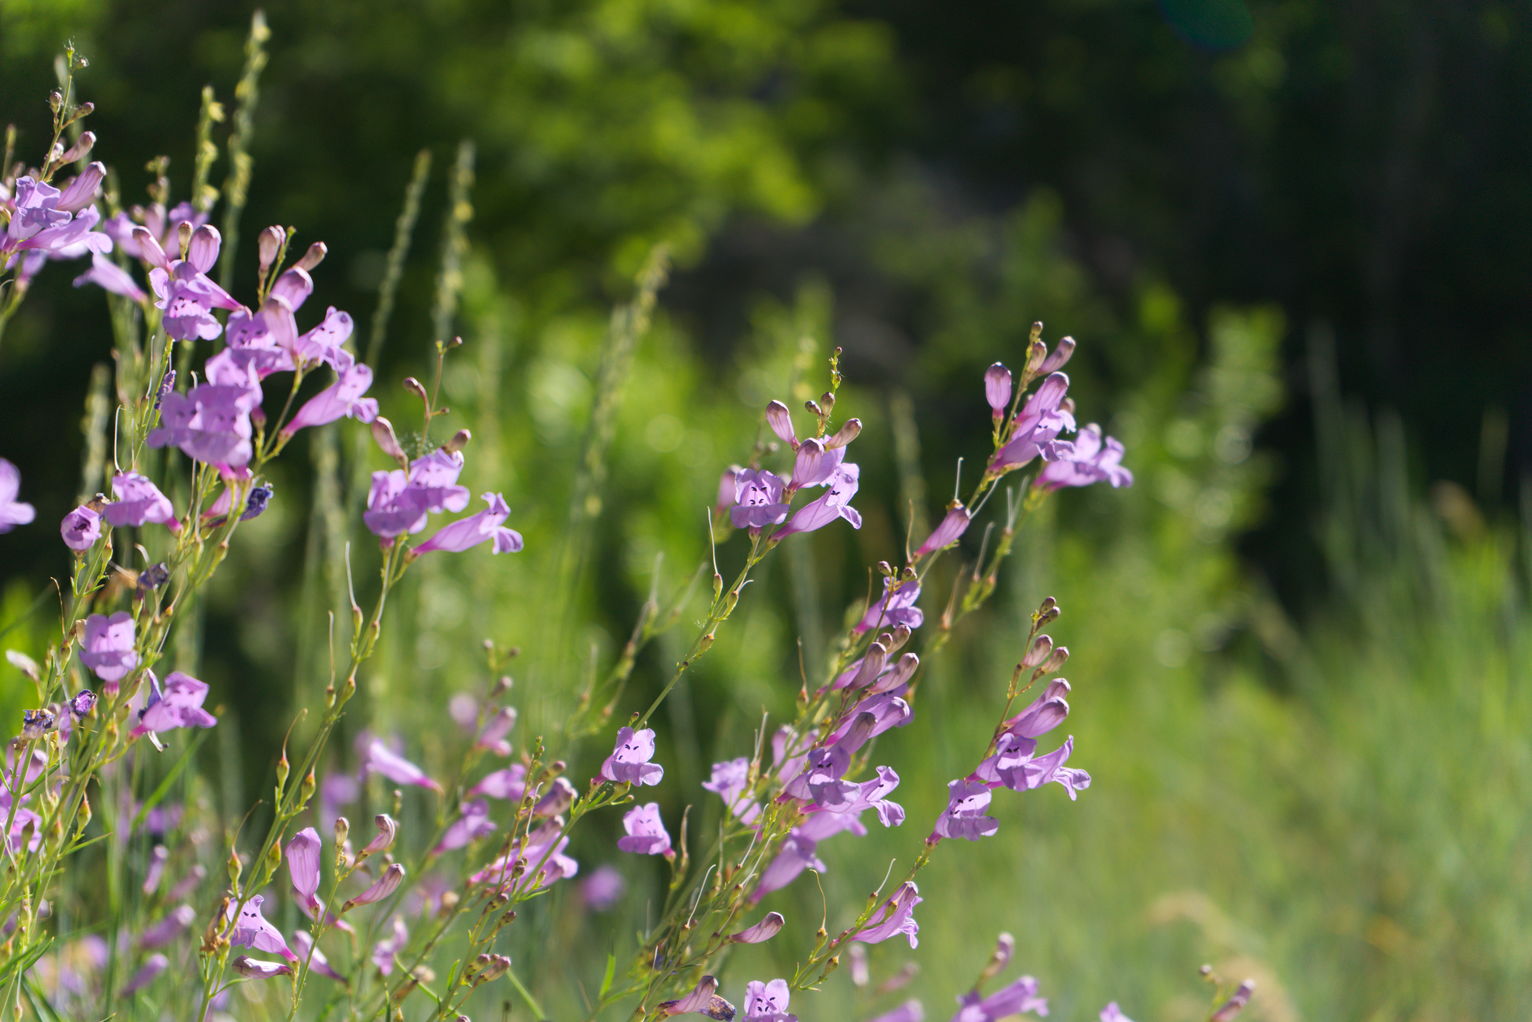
x=182, y=288
x=258, y=968
x=139, y=501
x=178, y=704
x=645, y=832
x=795, y=856
x=343, y=398
x=757, y=499
x=146, y=974
x=545, y=862
x=1092, y=459
x=303, y=868
x=964, y=816
x=602, y=889
x=399, y=502
x=767, y=1002
x=815, y=463
x=1012, y=999
x=492, y=738
x=952, y=526
x=909, y=1011
x=629, y=761
x=81, y=528
x=997, y=389
x=211, y=422
x=895, y=607
x=895, y=918
x=1112, y=1013
x=253, y=931
x=1018, y=769
x=108, y=646
x=475, y=529
x=703, y=1000
x=380, y=759
x=12, y=511
x=729, y=780
x=387, y=883
x=385, y=950
x=510, y=783
x=560, y=796
x=1036, y=427
x=767, y=928
x=304, y=942
x=840, y=488
x=168, y=928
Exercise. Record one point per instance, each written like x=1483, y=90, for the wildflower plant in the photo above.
x=397, y=917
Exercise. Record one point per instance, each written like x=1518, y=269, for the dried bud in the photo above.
x=1059, y=356
x=342, y=830
x=314, y=256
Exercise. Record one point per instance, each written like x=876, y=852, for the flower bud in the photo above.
x=781, y=422
x=388, y=830
x=1037, y=352
x=383, y=434
x=385, y=885
x=267, y=246
x=80, y=149
x=849, y=431
x=314, y=256
x=948, y=530
x=1235, y=1004
x=764, y=930
x=458, y=442
x=1056, y=659
x=1059, y=356
x=997, y=388
x=1042, y=648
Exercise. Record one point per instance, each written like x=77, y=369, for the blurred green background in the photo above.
x=1290, y=237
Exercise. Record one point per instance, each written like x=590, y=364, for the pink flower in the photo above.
x=12, y=511
x=139, y=501
x=629, y=761
x=108, y=647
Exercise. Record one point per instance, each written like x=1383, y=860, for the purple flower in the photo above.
x=108, y=647
x=81, y=528
x=815, y=463
x=399, y=501
x=840, y=488
x=795, y=856
x=147, y=973
x=139, y=501
x=629, y=761
x=387, y=883
x=1042, y=715
x=997, y=389
x=475, y=529
x=264, y=339
x=182, y=287
x=383, y=951
x=167, y=929
x=964, y=816
x=757, y=499
x=703, y=1000
x=896, y=917
x=825, y=821
x=211, y=422
x=560, y=796
x=729, y=781
x=257, y=968
x=1018, y=769
x=1235, y=1004
x=50, y=223
x=762, y=931
x=83, y=702
x=1036, y=427
x=178, y=704
x=602, y=889
x=646, y=834
x=510, y=783
x=12, y=511
x=953, y=524
x=895, y=607
x=303, y=859
x=323, y=342
x=341, y=398
x=545, y=858
x=304, y=942
x=380, y=759
x=1012, y=999
x=496, y=728
x=108, y=276
x=909, y=1011
x=767, y=1002
x=252, y=930
x=1092, y=459
x=1112, y=1013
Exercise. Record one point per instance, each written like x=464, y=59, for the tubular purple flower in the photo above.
x=472, y=823
x=81, y=528
x=795, y=855
x=997, y=389
x=762, y=931
x=841, y=487
x=767, y=1002
x=343, y=398
x=629, y=761
x=108, y=646
x=252, y=930
x=703, y=1000
x=561, y=795
x=385, y=950
x=179, y=704
x=492, y=738
x=139, y=501
x=1112, y=1013
x=303, y=854
x=895, y=607
x=12, y=511
x=729, y=780
x=1012, y=999
x=1092, y=459
x=108, y=276
x=1041, y=419
x=1019, y=770
x=211, y=422
x=256, y=968
x=380, y=759
x=383, y=840
x=815, y=463
x=895, y=918
x=399, y=502
x=147, y=973
x=167, y=929
x=909, y=1011
x=324, y=342
x=645, y=831
x=510, y=783
x=952, y=526
x=381, y=888
x=602, y=889
x=475, y=529
x=757, y=499
x=1059, y=356
x=304, y=942
x=964, y=816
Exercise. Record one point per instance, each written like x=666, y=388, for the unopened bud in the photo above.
x=1005, y=946
x=235, y=866
x=267, y=246
x=781, y=423
x=383, y=434
x=848, y=432
x=458, y=442
x=342, y=830
x=314, y=256
x=1235, y=1004
x=997, y=388
x=388, y=830
x=1060, y=355
x=81, y=148
x=814, y=409
x=55, y=101
x=415, y=387
x=1056, y=659
x=84, y=109
x=385, y=885
x=1042, y=648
